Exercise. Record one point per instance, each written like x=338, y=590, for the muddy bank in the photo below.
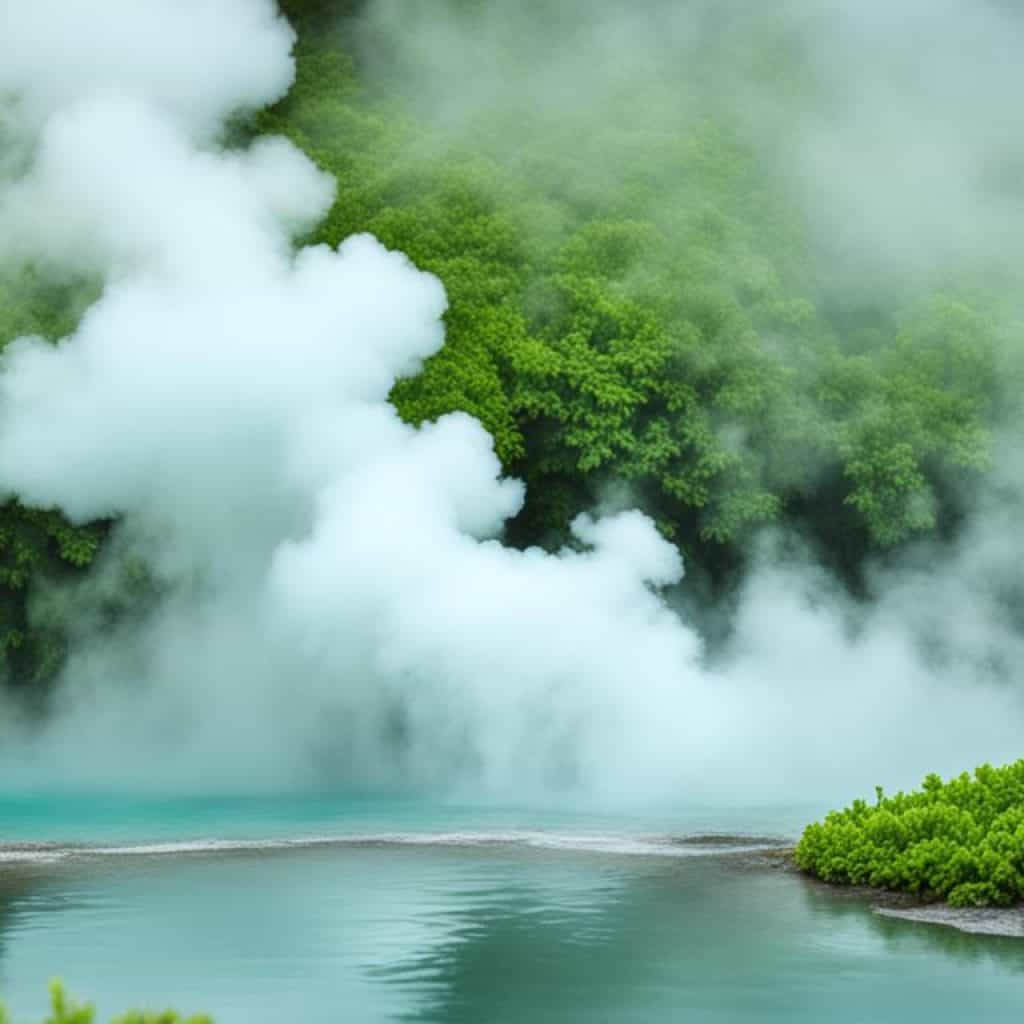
x=1007, y=922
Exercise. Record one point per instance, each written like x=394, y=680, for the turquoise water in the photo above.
x=457, y=914
x=102, y=818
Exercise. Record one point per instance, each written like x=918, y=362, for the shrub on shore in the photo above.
x=960, y=840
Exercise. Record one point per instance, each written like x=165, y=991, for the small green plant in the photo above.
x=961, y=840
x=65, y=1011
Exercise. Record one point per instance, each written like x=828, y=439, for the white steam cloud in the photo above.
x=336, y=605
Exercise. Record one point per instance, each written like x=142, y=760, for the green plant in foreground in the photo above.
x=962, y=840
x=65, y=1011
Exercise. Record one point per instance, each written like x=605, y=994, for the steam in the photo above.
x=894, y=126
x=913, y=161
x=336, y=606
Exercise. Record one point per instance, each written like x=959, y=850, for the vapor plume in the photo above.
x=335, y=603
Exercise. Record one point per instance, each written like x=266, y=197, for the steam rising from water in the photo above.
x=337, y=606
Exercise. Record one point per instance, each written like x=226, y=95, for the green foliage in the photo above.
x=914, y=410
x=37, y=544
x=65, y=1011
x=632, y=304
x=636, y=307
x=33, y=303
x=962, y=840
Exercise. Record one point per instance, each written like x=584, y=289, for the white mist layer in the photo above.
x=337, y=607
x=892, y=124
x=198, y=61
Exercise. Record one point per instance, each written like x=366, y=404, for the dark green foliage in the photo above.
x=65, y=1011
x=37, y=544
x=962, y=840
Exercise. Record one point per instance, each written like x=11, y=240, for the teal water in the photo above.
x=456, y=914
x=119, y=818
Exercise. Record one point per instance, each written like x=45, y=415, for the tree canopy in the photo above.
x=635, y=315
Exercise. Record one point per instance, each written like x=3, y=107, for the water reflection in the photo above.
x=539, y=941
x=704, y=941
x=380, y=933
x=904, y=936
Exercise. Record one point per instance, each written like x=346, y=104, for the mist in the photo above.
x=893, y=127
x=333, y=603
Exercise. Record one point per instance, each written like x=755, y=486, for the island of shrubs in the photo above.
x=961, y=840
x=65, y=1011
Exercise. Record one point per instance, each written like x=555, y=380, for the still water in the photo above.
x=400, y=913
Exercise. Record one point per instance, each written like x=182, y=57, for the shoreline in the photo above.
x=746, y=852
x=1003, y=922
x=611, y=844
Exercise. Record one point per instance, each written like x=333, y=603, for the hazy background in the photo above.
x=333, y=604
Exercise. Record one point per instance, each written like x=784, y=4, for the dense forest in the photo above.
x=640, y=311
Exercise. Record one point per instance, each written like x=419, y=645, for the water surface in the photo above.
x=456, y=915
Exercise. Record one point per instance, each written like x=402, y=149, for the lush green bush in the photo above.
x=65, y=1011
x=962, y=840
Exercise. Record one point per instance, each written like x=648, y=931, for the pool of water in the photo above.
x=119, y=818
x=457, y=914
